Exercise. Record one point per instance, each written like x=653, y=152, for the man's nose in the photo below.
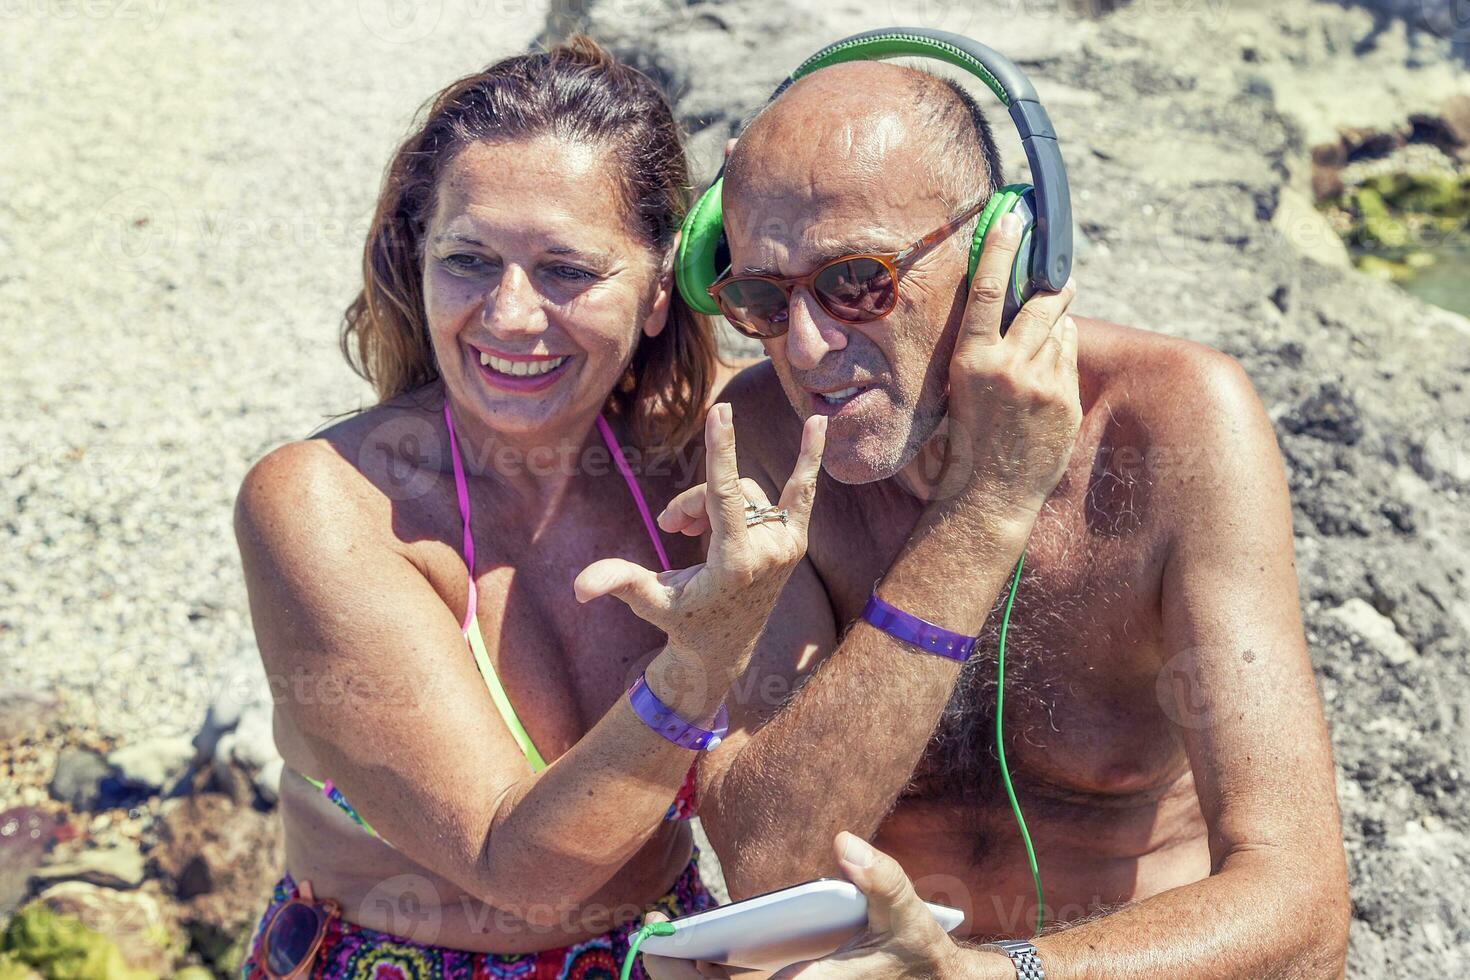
x=811, y=334
x=513, y=307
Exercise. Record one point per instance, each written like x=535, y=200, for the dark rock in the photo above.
x=1327, y=163
x=1330, y=413
x=26, y=835
x=220, y=859
x=1399, y=514
x=78, y=778
x=115, y=793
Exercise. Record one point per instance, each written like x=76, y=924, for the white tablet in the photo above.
x=779, y=928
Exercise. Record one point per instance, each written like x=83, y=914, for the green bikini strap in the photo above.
x=502, y=701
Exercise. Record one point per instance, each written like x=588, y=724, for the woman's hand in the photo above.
x=715, y=610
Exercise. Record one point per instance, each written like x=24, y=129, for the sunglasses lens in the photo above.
x=293, y=931
x=856, y=290
x=755, y=307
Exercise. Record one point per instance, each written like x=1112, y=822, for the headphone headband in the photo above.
x=997, y=71
x=1053, y=262
x=1046, y=254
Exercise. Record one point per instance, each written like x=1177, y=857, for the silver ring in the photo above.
x=768, y=514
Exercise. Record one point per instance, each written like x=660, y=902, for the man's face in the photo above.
x=860, y=189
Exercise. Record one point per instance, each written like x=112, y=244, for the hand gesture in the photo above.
x=719, y=607
x=1014, y=402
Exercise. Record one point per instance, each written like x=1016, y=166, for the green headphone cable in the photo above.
x=667, y=928
x=651, y=929
x=1000, y=745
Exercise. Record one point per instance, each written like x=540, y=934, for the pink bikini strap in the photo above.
x=622, y=464
x=464, y=512
x=462, y=492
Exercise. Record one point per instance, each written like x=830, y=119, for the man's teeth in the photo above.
x=519, y=369
x=834, y=397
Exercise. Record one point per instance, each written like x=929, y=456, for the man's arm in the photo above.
x=839, y=753
x=1276, y=903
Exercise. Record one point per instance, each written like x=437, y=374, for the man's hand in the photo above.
x=1014, y=404
x=903, y=939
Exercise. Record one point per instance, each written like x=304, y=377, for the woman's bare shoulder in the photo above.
x=343, y=481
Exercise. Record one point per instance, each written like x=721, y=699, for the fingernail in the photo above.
x=724, y=410
x=856, y=852
x=1010, y=224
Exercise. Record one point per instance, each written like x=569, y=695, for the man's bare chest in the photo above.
x=1083, y=644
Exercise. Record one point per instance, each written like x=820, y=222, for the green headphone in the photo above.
x=1044, y=259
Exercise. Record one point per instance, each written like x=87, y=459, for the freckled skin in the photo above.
x=355, y=582
x=1165, y=733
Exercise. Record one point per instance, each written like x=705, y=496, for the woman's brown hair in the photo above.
x=576, y=91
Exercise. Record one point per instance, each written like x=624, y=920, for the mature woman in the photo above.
x=472, y=788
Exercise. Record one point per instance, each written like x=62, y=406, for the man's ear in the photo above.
x=658, y=311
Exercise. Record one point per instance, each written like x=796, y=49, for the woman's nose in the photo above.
x=513, y=306
x=811, y=334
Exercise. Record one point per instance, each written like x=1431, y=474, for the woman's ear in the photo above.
x=658, y=311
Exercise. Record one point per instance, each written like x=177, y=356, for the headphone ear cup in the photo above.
x=697, y=263
x=1020, y=199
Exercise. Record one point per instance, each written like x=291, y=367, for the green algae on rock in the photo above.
x=1398, y=223
x=61, y=948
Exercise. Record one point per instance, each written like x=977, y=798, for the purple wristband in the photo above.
x=661, y=718
x=919, y=632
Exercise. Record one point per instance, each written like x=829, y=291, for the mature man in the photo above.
x=1164, y=732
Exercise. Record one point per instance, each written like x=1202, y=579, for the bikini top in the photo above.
x=683, y=806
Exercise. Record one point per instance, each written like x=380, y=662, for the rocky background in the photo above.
x=187, y=189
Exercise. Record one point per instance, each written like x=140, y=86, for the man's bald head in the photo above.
x=862, y=158
x=856, y=112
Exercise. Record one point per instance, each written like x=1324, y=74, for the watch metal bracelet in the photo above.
x=1024, y=957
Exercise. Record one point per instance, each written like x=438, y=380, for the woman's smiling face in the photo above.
x=536, y=284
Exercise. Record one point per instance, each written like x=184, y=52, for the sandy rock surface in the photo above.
x=187, y=189
x=182, y=225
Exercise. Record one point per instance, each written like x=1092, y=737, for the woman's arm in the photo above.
x=369, y=665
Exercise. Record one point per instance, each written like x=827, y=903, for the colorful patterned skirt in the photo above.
x=352, y=952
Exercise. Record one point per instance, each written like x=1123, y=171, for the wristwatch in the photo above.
x=1024, y=957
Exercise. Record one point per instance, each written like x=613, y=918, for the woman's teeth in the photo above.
x=833, y=397
x=520, y=369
